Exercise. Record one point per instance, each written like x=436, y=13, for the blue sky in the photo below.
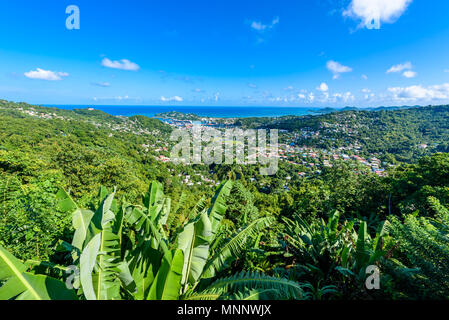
x=239, y=53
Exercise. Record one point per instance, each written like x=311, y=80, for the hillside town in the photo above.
x=292, y=151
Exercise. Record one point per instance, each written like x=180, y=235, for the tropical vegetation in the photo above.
x=88, y=211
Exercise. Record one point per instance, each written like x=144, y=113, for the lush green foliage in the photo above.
x=123, y=251
x=191, y=237
x=388, y=133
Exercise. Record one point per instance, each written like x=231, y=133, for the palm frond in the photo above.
x=287, y=289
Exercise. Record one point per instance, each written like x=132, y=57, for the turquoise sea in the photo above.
x=219, y=112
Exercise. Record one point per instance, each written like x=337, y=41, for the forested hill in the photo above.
x=416, y=119
x=83, y=148
x=392, y=134
x=402, y=135
x=98, y=118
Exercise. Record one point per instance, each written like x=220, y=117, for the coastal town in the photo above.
x=292, y=149
x=309, y=160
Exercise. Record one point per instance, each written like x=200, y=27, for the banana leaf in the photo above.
x=21, y=285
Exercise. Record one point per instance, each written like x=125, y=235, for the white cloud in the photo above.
x=121, y=98
x=323, y=87
x=335, y=98
x=364, y=77
x=400, y=67
x=101, y=84
x=342, y=97
x=382, y=11
x=337, y=68
x=116, y=98
x=409, y=74
x=303, y=97
x=406, y=67
x=369, y=96
x=447, y=70
x=259, y=26
x=123, y=64
x=48, y=75
x=311, y=97
x=170, y=99
x=252, y=85
x=418, y=92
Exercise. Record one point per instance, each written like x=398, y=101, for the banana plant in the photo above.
x=150, y=255
x=194, y=242
x=205, y=251
x=368, y=251
x=18, y=284
x=125, y=252
x=334, y=246
x=97, y=248
x=167, y=284
x=319, y=243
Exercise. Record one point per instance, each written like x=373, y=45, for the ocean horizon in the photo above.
x=213, y=112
